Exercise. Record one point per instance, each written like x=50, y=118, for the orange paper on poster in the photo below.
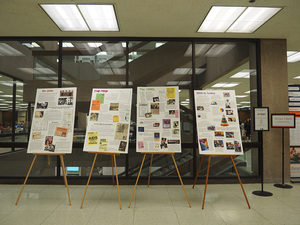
x=96, y=105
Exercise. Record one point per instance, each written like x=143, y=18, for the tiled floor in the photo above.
x=163, y=204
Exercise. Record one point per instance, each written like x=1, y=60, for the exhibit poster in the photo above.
x=294, y=107
x=109, y=121
x=218, y=123
x=53, y=121
x=158, y=119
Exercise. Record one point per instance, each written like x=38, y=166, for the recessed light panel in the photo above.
x=252, y=19
x=220, y=18
x=72, y=17
x=100, y=17
x=237, y=19
x=66, y=16
x=294, y=57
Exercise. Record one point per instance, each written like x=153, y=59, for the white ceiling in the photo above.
x=154, y=18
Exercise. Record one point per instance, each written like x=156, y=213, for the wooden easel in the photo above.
x=114, y=162
x=209, y=157
x=63, y=169
x=166, y=153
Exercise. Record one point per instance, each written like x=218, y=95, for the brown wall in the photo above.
x=275, y=96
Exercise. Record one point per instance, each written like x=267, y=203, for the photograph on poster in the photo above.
x=42, y=105
x=200, y=108
x=39, y=114
x=94, y=117
x=203, y=144
x=53, y=127
x=155, y=99
x=114, y=107
x=222, y=137
x=109, y=124
x=158, y=112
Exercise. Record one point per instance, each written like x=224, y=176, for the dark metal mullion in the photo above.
x=193, y=103
x=259, y=104
x=13, y=128
x=59, y=85
x=127, y=85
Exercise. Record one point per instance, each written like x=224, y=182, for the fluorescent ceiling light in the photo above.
x=181, y=71
x=289, y=53
x=66, y=16
x=105, y=71
x=184, y=82
x=63, y=82
x=294, y=57
x=220, y=18
x=118, y=83
x=158, y=44
x=236, y=19
x=219, y=49
x=7, y=50
x=31, y=44
x=172, y=83
x=252, y=18
x=101, y=53
x=241, y=96
x=94, y=44
x=100, y=17
x=67, y=45
x=114, y=83
x=245, y=102
x=241, y=74
x=200, y=50
x=185, y=71
x=225, y=84
x=298, y=77
x=10, y=96
x=247, y=92
x=43, y=71
x=119, y=71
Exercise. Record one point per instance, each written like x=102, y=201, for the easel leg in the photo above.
x=202, y=158
x=240, y=181
x=150, y=170
x=88, y=180
x=26, y=178
x=206, y=181
x=181, y=180
x=117, y=180
x=137, y=180
x=112, y=168
x=65, y=177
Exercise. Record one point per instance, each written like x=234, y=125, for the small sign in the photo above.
x=280, y=120
x=261, y=119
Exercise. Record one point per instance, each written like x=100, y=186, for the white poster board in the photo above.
x=218, y=123
x=109, y=121
x=158, y=119
x=53, y=121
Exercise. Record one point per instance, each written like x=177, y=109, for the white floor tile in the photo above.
x=158, y=204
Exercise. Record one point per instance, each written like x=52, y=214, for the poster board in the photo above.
x=109, y=121
x=53, y=121
x=158, y=119
x=217, y=122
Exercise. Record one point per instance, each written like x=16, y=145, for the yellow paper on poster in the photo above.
x=116, y=118
x=170, y=92
x=92, y=138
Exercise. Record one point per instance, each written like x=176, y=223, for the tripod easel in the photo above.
x=209, y=157
x=137, y=180
x=63, y=169
x=114, y=163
